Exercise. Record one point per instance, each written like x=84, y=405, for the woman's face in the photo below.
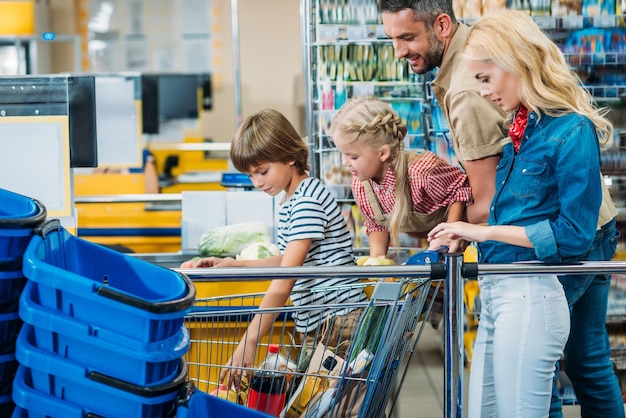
x=364, y=162
x=496, y=84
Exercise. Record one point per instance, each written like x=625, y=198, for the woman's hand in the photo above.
x=454, y=245
x=458, y=231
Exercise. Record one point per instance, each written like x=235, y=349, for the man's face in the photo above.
x=414, y=40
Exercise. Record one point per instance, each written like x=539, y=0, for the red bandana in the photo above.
x=517, y=127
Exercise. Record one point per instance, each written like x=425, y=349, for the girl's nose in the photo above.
x=345, y=161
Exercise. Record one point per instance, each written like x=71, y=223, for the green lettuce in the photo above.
x=229, y=240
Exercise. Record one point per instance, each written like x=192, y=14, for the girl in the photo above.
x=396, y=191
x=546, y=206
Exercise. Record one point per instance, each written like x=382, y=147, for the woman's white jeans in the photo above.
x=524, y=325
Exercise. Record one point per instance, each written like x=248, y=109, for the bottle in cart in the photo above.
x=309, y=388
x=268, y=385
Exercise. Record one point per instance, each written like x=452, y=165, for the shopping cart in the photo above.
x=385, y=326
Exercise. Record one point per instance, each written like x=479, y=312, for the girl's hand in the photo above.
x=458, y=231
x=231, y=373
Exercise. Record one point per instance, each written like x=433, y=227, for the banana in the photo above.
x=379, y=261
x=374, y=261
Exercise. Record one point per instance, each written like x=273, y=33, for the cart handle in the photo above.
x=169, y=306
x=28, y=222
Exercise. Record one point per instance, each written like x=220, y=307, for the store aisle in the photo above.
x=423, y=390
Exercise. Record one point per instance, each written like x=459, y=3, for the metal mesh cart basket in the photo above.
x=368, y=341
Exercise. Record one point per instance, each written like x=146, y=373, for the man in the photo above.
x=427, y=34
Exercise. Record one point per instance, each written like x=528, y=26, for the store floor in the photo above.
x=422, y=393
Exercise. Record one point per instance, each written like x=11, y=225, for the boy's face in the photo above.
x=273, y=178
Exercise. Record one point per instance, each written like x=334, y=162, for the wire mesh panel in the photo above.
x=366, y=342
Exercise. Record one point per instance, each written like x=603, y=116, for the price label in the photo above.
x=362, y=89
x=545, y=22
x=380, y=32
x=604, y=21
x=357, y=32
x=327, y=33
x=572, y=22
x=372, y=31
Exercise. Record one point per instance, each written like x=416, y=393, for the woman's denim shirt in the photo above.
x=552, y=187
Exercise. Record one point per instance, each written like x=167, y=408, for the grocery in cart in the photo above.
x=346, y=367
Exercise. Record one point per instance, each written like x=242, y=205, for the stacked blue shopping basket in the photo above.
x=19, y=216
x=102, y=332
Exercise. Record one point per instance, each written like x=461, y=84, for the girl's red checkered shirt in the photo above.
x=434, y=184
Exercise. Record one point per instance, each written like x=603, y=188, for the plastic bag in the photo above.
x=258, y=251
x=229, y=240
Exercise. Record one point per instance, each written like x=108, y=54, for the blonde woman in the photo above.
x=546, y=208
x=397, y=191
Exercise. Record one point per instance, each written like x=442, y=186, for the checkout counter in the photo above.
x=164, y=223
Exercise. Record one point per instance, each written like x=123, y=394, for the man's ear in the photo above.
x=443, y=26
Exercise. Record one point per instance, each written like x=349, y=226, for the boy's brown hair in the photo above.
x=268, y=137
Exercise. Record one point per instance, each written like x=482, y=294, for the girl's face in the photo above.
x=364, y=162
x=496, y=84
x=273, y=178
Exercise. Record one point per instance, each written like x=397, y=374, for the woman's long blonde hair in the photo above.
x=373, y=123
x=511, y=40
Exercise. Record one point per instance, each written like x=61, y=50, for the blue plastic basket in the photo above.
x=41, y=373
x=6, y=405
x=30, y=403
x=105, y=288
x=193, y=403
x=10, y=324
x=101, y=350
x=8, y=367
x=19, y=215
x=11, y=284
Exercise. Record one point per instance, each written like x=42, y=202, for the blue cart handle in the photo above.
x=427, y=256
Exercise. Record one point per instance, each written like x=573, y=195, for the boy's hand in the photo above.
x=231, y=374
x=197, y=262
